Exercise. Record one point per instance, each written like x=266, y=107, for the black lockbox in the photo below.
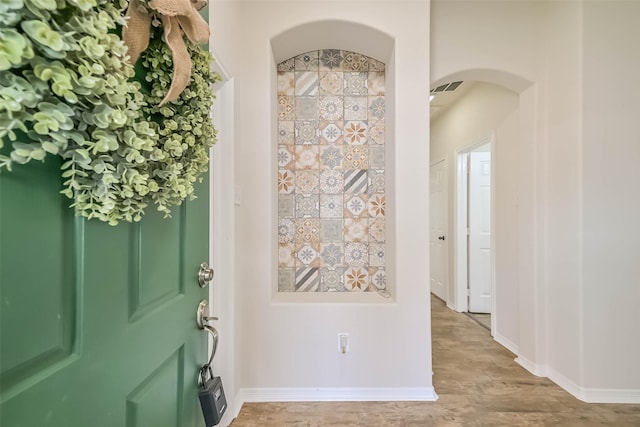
x=212, y=399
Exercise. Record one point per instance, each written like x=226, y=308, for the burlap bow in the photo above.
x=178, y=16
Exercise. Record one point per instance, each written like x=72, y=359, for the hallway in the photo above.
x=478, y=384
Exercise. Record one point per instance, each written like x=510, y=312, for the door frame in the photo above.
x=460, y=241
x=222, y=236
x=445, y=161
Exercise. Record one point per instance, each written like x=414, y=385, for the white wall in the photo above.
x=579, y=149
x=486, y=110
x=285, y=348
x=610, y=196
x=560, y=77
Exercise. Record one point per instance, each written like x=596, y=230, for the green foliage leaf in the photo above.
x=66, y=90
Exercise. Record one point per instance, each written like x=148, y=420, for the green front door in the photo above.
x=98, y=322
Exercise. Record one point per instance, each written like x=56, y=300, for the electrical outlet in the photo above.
x=343, y=342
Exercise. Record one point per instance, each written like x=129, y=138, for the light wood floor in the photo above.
x=478, y=384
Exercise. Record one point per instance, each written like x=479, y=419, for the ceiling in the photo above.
x=446, y=95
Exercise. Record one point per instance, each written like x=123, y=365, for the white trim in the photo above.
x=492, y=222
x=594, y=395
x=460, y=252
x=222, y=243
x=460, y=234
x=340, y=394
x=589, y=395
x=506, y=343
x=535, y=369
x=346, y=394
x=597, y=395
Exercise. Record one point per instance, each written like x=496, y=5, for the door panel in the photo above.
x=39, y=280
x=98, y=322
x=438, y=227
x=480, y=280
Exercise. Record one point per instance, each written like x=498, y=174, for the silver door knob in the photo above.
x=205, y=274
x=202, y=314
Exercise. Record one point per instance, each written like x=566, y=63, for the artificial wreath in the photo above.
x=68, y=89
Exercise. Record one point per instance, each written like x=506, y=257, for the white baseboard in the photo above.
x=589, y=395
x=313, y=394
x=596, y=395
x=535, y=369
x=346, y=394
x=506, y=343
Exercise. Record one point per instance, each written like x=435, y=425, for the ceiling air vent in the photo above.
x=449, y=87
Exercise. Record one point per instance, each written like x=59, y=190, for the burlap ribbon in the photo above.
x=178, y=16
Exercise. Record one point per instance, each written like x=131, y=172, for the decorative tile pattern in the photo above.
x=377, y=277
x=306, y=132
x=376, y=180
x=331, y=230
x=376, y=255
x=375, y=84
x=355, y=133
x=307, y=206
x=286, y=84
x=332, y=280
x=307, y=279
x=307, y=256
x=288, y=65
x=356, y=157
x=331, y=205
x=331, y=255
x=331, y=132
x=376, y=157
x=374, y=65
x=285, y=157
x=377, y=206
x=306, y=83
x=355, y=84
x=286, y=279
x=286, y=182
x=331, y=157
x=330, y=108
x=307, y=157
x=331, y=83
x=286, y=230
x=376, y=107
x=356, y=254
x=285, y=255
x=376, y=132
x=355, y=108
x=355, y=181
x=307, y=62
x=355, y=62
x=356, y=279
x=331, y=181
x=306, y=107
x=286, y=134
x=355, y=206
x=286, y=206
x=307, y=181
x=285, y=108
x=331, y=173
x=377, y=230
x=356, y=230
x=307, y=231
x=330, y=59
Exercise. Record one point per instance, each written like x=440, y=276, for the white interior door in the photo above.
x=438, y=228
x=480, y=274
